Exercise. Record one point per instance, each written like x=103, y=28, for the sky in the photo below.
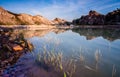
x=65, y=9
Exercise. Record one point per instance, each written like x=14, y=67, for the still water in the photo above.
x=99, y=50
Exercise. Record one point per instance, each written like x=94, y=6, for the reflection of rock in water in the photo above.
x=110, y=35
x=40, y=33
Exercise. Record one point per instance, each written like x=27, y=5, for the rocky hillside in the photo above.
x=95, y=18
x=58, y=21
x=9, y=18
x=113, y=17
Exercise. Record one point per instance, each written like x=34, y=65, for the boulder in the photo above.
x=16, y=48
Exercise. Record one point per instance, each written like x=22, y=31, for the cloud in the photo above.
x=67, y=10
x=108, y=6
x=71, y=9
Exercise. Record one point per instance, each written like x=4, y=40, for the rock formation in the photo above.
x=40, y=19
x=113, y=17
x=58, y=21
x=9, y=18
x=93, y=18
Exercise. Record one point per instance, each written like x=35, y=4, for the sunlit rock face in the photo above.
x=59, y=21
x=41, y=20
x=25, y=19
x=93, y=18
x=9, y=18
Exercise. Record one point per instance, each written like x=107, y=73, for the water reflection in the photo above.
x=90, y=34
x=94, y=51
x=38, y=33
x=72, y=44
x=109, y=34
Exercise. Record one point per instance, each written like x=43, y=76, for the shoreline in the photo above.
x=99, y=26
x=29, y=27
x=90, y=27
x=12, y=46
x=45, y=27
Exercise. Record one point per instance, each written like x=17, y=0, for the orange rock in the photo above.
x=17, y=48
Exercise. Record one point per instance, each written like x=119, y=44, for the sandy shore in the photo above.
x=30, y=27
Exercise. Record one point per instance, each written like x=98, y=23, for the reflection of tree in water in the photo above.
x=111, y=34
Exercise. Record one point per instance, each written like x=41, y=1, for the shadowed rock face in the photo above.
x=9, y=18
x=113, y=17
x=95, y=18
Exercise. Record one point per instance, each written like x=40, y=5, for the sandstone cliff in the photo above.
x=9, y=18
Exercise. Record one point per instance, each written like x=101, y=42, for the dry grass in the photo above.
x=114, y=71
x=97, y=55
x=97, y=58
x=51, y=59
